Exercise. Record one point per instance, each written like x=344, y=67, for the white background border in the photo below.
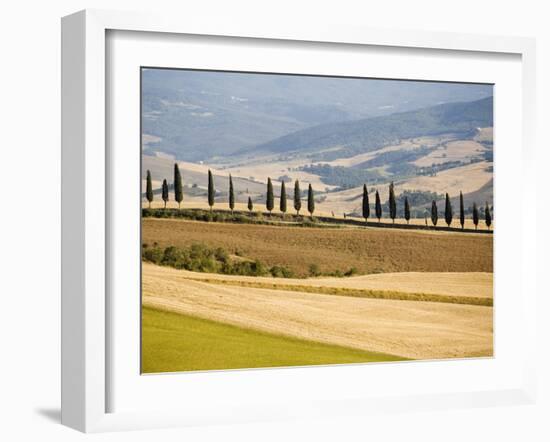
x=468, y=41
x=31, y=54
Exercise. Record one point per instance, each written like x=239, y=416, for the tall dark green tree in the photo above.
x=366, y=204
x=269, y=200
x=310, y=201
x=488, y=218
x=231, y=195
x=282, y=201
x=475, y=215
x=462, y=217
x=297, y=197
x=250, y=205
x=435, y=215
x=211, y=190
x=178, y=186
x=407, y=210
x=164, y=192
x=149, y=188
x=448, y=210
x=392, y=203
x=377, y=206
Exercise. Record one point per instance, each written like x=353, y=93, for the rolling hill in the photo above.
x=345, y=139
x=197, y=115
x=331, y=133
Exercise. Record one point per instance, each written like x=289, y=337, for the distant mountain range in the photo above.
x=198, y=115
x=339, y=140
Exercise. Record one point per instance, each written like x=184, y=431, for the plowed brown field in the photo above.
x=374, y=250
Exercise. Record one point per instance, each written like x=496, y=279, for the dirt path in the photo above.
x=422, y=330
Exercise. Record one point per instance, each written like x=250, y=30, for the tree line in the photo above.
x=434, y=213
x=297, y=201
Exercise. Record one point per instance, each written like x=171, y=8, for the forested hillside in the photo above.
x=353, y=137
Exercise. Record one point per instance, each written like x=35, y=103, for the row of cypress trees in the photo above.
x=283, y=198
x=270, y=201
x=434, y=211
x=178, y=188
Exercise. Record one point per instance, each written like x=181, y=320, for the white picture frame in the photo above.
x=86, y=356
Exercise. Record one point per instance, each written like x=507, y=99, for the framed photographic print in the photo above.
x=269, y=223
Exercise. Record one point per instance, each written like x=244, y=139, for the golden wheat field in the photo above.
x=453, y=284
x=373, y=250
x=468, y=178
x=409, y=329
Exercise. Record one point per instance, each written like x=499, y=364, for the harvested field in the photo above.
x=373, y=250
x=417, y=330
x=468, y=178
x=457, y=285
x=461, y=150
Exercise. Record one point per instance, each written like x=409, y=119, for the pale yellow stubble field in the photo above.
x=412, y=329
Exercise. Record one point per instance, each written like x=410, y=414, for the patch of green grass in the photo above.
x=174, y=342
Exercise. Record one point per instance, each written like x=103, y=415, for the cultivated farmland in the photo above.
x=332, y=249
x=416, y=295
x=406, y=329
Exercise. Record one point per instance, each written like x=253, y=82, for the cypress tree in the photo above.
x=488, y=218
x=407, y=211
x=250, y=205
x=211, y=191
x=448, y=210
x=366, y=205
x=282, y=203
x=269, y=202
x=310, y=201
x=378, y=206
x=475, y=215
x=178, y=187
x=149, y=188
x=297, y=197
x=392, y=204
x=231, y=195
x=164, y=192
x=461, y=210
x=435, y=215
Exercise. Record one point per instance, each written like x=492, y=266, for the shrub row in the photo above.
x=236, y=217
x=200, y=258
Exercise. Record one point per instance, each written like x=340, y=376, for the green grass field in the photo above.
x=174, y=342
